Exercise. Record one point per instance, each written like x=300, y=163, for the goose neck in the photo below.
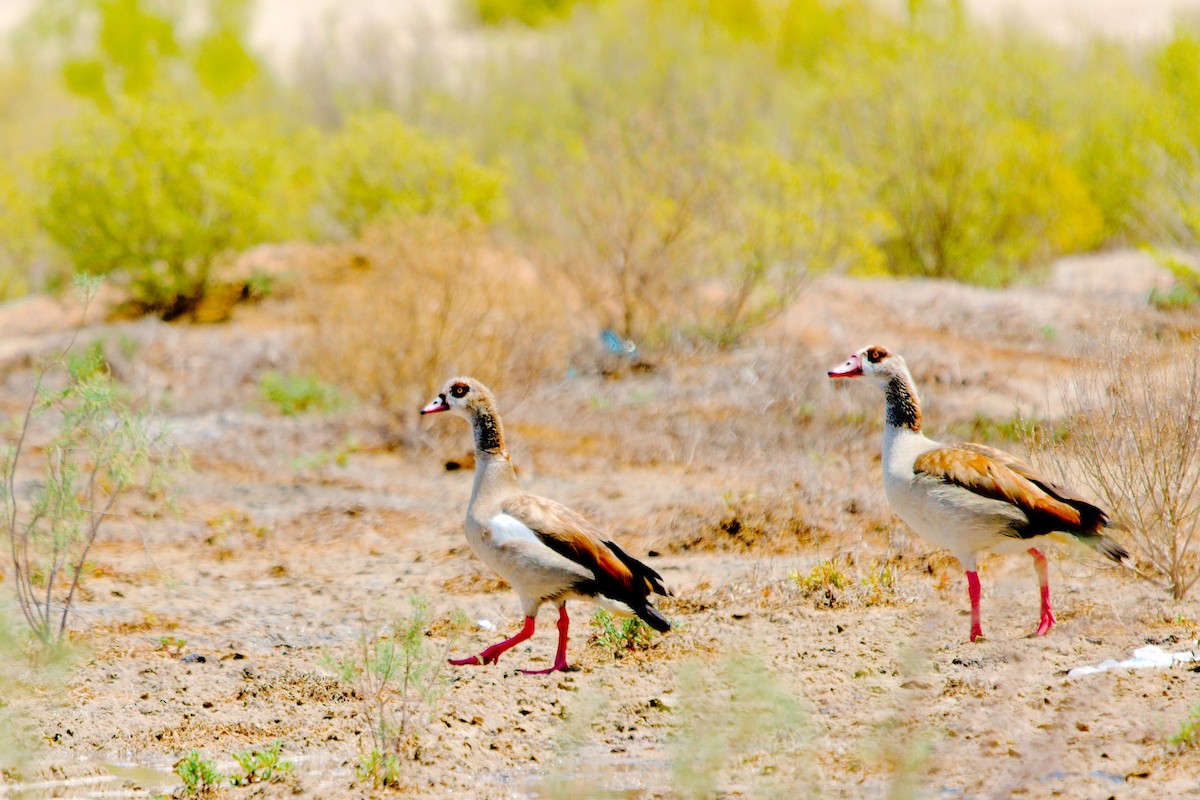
x=489, y=433
x=903, y=409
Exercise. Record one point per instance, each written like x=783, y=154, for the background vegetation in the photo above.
x=681, y=165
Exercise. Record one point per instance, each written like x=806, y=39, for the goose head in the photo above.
x=464, y=397
x=877, y=363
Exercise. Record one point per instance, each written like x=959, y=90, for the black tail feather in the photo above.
x=1108, y=546
x=652, y=579
x=652, y=617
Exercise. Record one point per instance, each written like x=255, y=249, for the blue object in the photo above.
x=625, y=348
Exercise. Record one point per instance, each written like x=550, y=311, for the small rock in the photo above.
x=194, y=658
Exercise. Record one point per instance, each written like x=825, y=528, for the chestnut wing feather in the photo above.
x=999, y=476
x=570, y=535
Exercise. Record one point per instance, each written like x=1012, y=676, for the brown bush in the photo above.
x=412, y=304
x=1133, y=435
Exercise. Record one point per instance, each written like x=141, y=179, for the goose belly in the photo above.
x=517, y=554
x=955, y=518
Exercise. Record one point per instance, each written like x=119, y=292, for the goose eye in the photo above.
x=876, y=354
x=459, y=390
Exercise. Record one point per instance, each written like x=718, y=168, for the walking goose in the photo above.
x=545, y=551
x=970, y=498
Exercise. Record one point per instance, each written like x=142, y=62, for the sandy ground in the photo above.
x=217, y=629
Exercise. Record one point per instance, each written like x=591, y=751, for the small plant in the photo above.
x=738, y=715
x=200, y=777
x=98, y=449
x=379, y=769
x=825, y=584
x=620, y=636
x=339, y=456
x=879, y=584
x=260, y=766
x=1188, y=735
x=297, y=394
x=399, y=678
x=172, y=645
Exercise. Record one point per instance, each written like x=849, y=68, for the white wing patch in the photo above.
x=505, y=529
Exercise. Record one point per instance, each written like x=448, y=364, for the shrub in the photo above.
x=779, y=221
x=739, y=714
x=200, y=777
x=529, y=12
x=1135, y=439
x=118, y=49
x=825, y=584
x=260, y=766
x=414, y=303
x=99, y=449
x=297, y=394
x=1188, y=735
x=377, y=169
x=974, y=189
x=159, y=192
x=18, y=233
x=619, y=637
x=399, y=678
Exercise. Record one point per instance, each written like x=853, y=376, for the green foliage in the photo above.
x=159, y=192
x=619, y=637
x=879, y=584
x=260, y=766
x=99, y=448
x=781, y=220
x=1188, y=735
x=297, y=394
x=380, y=769
x=20, y=678
x=973, y=189
x=120, y=49
x=739, y=714
x=200, y=777
x=825, y=583
x=529, y=12
x=18, y=232
x=378, y=169
x=399, y=678
x=1014, y=428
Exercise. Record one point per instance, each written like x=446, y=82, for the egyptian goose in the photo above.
x=546, y=551
x=970, y=498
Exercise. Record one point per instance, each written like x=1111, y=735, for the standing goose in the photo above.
x=545, y=551
x=970, y=498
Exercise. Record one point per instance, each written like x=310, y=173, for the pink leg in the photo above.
x=1043, y=573
x=973, y=591
x=560, y=656
x=490, y=655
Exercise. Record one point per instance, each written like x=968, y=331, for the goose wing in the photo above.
x=570, y=535
x=994, y=474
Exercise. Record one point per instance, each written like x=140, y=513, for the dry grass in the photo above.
x=413, y=304
x=1134, y=437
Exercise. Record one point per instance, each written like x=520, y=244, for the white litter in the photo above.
x=1148, y=657
x=486, y=624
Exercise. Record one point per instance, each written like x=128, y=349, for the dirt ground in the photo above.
x=216, y=629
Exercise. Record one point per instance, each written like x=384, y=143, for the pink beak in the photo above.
x=851, y=369
x=436, y=405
